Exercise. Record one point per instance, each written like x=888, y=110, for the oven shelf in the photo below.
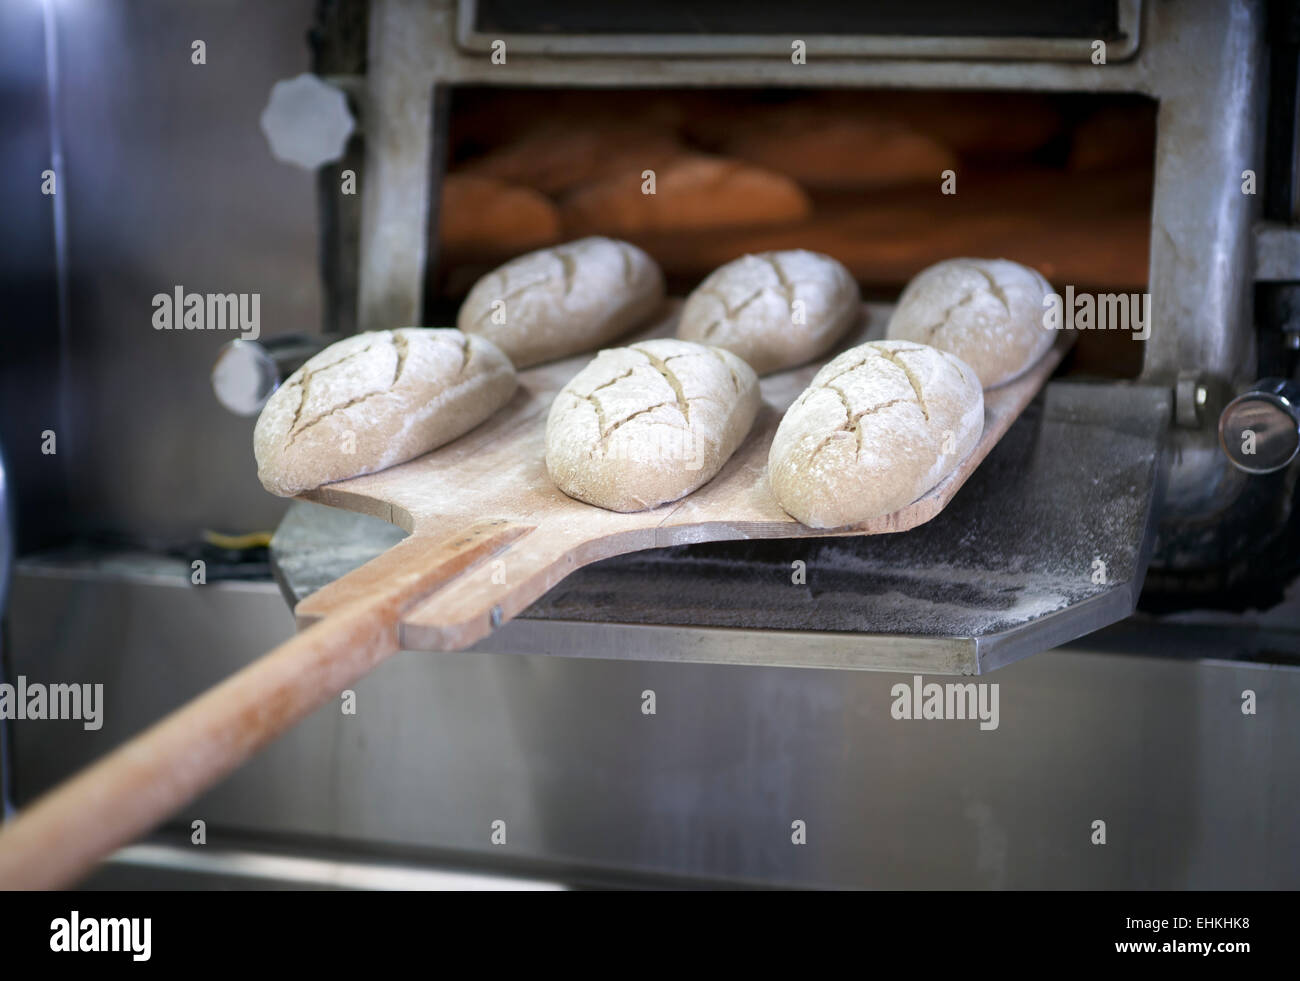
x=1048, y=541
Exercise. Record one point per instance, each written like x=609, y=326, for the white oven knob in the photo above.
x=247, y=372
x=307, y=122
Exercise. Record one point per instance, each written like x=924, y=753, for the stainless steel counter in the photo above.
x=1194, y=793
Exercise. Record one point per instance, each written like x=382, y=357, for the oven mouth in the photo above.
x=887, y=182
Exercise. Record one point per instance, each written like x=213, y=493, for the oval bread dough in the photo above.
x=388, y=396
x=988, y=312
x=563, y=300
x=879, y=426
x=647, y=424
x=747, y=307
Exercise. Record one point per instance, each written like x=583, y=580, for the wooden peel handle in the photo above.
x=60, y=837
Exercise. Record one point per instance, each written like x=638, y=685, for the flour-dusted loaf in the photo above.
x=647, y=424
x=988, y=312
x=375, y=400
x=564, y=300
x=879, y=426
x=775, y=309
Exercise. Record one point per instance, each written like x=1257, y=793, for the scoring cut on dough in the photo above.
x=374, y=400
x=775, y=309
x=988, y=312
x=564, y=300
x=647, y=424
x=880, y=425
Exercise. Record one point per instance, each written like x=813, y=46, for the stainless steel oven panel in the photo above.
x=824, y=45
x=1195, y=793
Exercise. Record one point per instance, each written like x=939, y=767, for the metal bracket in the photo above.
x=1277, y=253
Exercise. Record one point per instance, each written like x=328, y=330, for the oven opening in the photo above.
x=886, y=181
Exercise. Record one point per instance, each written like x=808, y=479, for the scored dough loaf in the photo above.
x=563, y=300
x=880, y=425
x=647, y=424
x=988, y=312
x=748, y=307
x=374, y=400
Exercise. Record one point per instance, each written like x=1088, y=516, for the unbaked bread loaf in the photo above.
x=988, y=312
x=564, y=300
x=776, y=309
x=879, y=426
x=692, y=193
x=374, y=400
x=647, y=424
